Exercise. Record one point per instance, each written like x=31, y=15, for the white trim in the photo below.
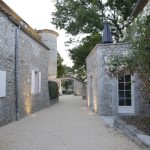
x=2, y=83
x=132, y=93
x=127, y=109
x=39, y=82
x=32, y=82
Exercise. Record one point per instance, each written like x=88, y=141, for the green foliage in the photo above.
x=63, y=70
x=67, y=84
x=53, y=90
x=80, y=74
x=119, y=11
x=123, y=7
x=60, y=67
x=141, y=48
x=80, y=53
x=87, y=16
x=138, y=60
x=78, y=16
x=120, y=65
x=69, y=71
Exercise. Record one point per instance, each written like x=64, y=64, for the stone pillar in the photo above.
x=59, y=85
x=49, y=37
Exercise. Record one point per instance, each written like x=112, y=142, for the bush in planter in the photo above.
x=53, y=90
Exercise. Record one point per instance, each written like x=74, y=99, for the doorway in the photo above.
x=125, y=95
x=91, y=93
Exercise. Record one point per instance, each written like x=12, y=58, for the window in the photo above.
x=124, y=90
x=2, y=83
x=36, y=82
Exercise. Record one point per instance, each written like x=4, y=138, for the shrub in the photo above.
x=138, y=61
x=53, y=90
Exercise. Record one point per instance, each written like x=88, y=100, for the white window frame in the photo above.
x=127, y=109
x=33, y=84
x=2, y=83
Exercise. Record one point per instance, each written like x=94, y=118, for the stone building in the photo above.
x=76, y=86
x=109, y=95
x=49, y=37
x=25, y=56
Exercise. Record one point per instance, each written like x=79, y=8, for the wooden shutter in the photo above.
x=39, y=82
x=2, y=83
x=33, y=82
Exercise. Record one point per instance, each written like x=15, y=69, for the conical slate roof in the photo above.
x=107, y=36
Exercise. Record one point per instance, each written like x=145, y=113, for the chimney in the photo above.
x=107, y=36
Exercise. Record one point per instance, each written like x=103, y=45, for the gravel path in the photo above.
x=67, y=125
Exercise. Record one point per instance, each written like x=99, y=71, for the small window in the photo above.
x=2, y=83
x=36, y=82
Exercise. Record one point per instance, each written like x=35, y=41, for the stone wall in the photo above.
x=93, y=80
x=108, y=85
x=102, y=89
x=7, y=61
x=77, y=88
x=32, y=56
x=49, y=37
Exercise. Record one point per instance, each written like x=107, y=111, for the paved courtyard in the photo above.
x=67, y=125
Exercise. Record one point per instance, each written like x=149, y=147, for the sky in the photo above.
x=37, y=13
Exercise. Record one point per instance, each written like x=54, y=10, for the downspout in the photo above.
x=16, y=71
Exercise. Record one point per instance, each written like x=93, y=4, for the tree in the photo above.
x=67, y=85
x=80, y=53
x=138, y=60
x=87, y=16
x=60, y=66
x=63, y=70
x=141, y=49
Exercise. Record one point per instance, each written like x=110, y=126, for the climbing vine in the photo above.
x=138, y=60
x=119, y=65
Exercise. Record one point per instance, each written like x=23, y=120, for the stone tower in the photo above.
x=49, y=37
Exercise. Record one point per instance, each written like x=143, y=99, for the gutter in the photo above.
x=16, y=72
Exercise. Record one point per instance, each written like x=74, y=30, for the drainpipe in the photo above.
x=16, y=71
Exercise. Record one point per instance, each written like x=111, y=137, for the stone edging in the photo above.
x=131, y=131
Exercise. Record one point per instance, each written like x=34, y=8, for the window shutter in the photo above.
x=33, y=82
x=39, y=82
x=2, y=83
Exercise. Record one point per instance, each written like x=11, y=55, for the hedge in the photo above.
x=53, y=90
